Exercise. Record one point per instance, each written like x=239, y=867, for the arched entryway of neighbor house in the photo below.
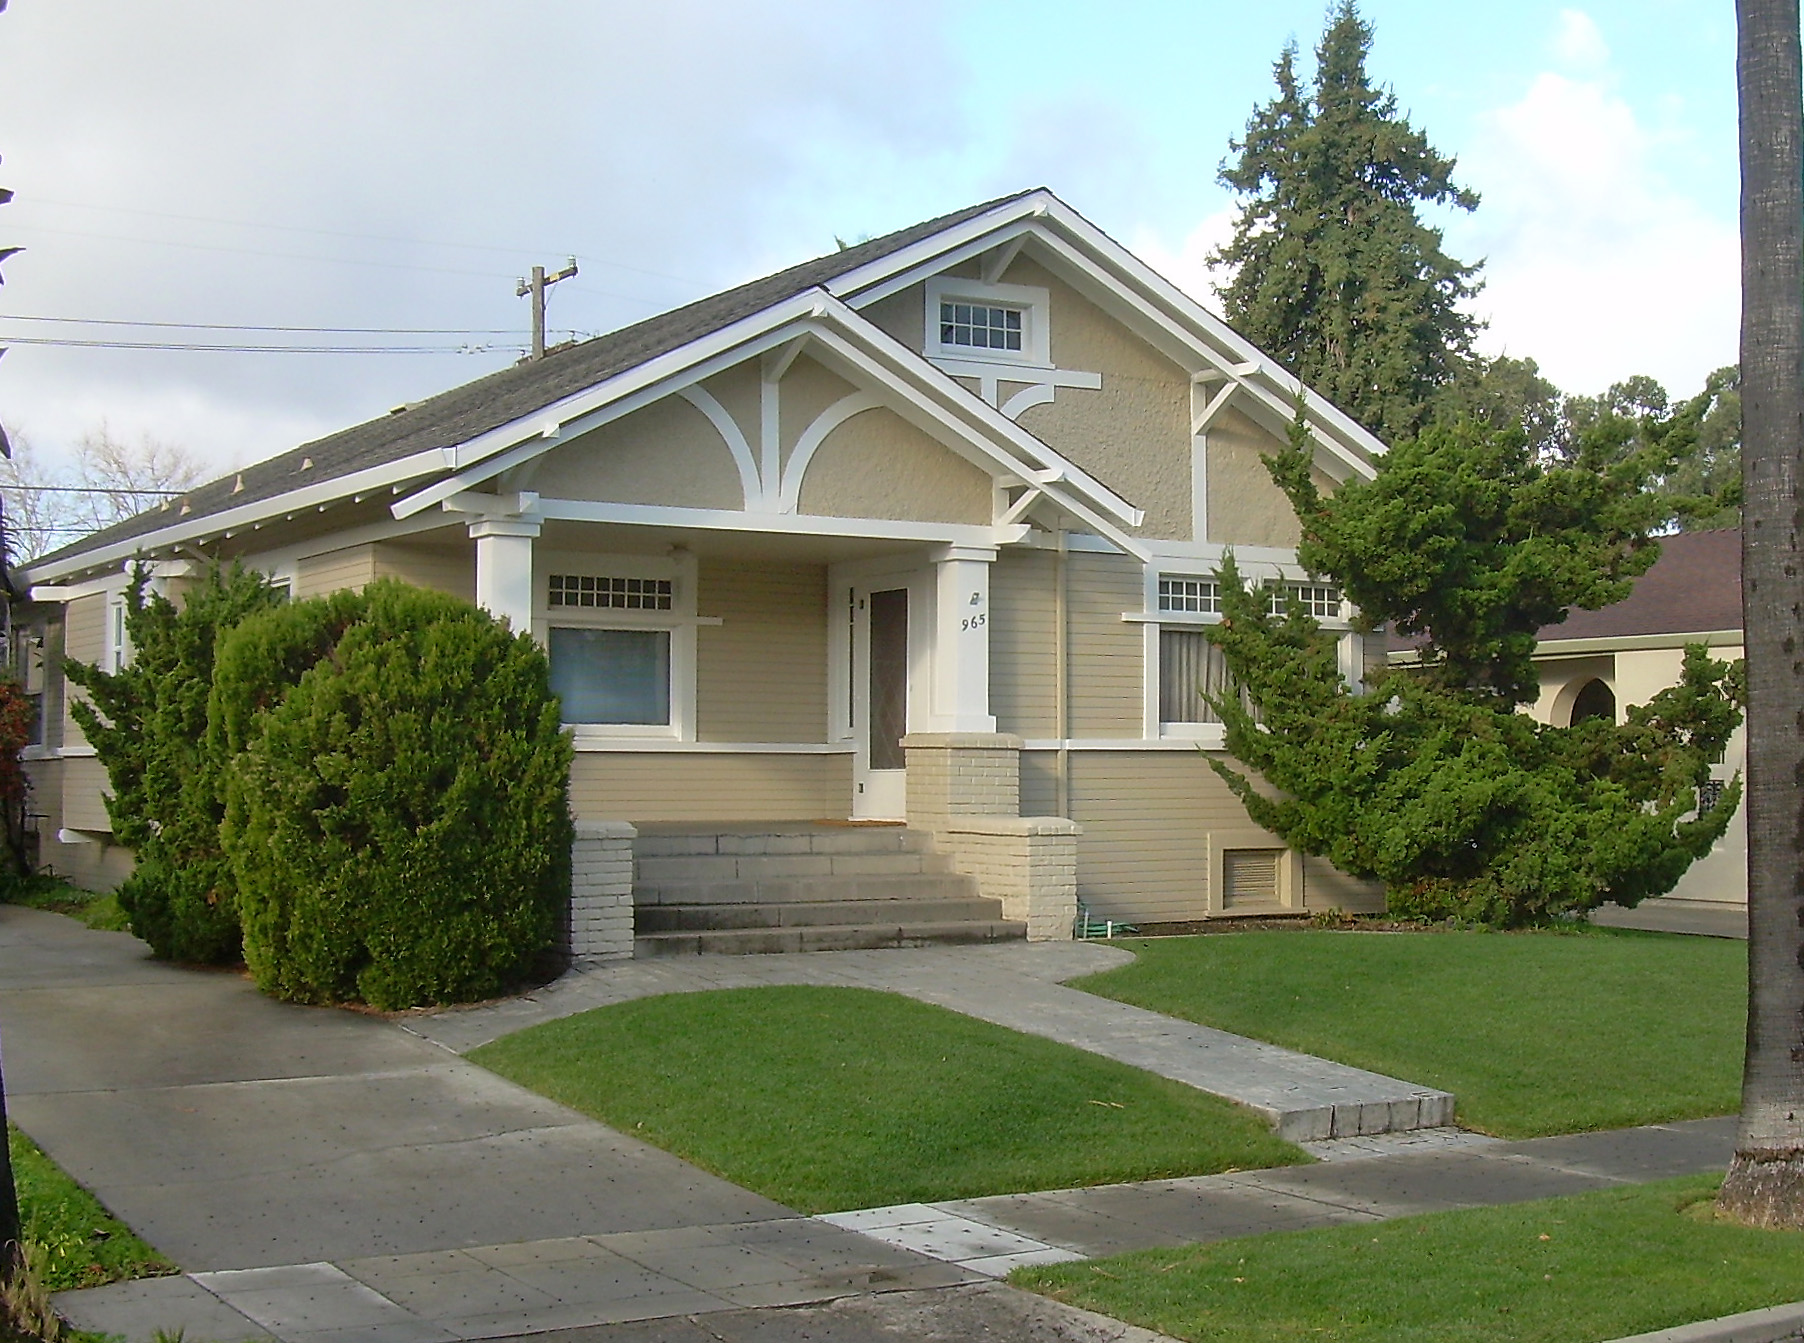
x=1593, y=699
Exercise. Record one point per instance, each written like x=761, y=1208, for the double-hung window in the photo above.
x=620, y=634
x=1188, y=674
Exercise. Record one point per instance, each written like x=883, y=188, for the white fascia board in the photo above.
x=995, y=425
x=356, y=536
x=776, y=524
x=943, y=418
x=1157, y=287
x=326, y=492
x=1212, y=342
x=1631, y=643
x=544, y=428
x=974, y=236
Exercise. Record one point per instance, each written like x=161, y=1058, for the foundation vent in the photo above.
x=1249, y=877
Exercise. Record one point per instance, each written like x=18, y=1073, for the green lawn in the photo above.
x=827, y=1098
x=84, y=1244
x=1567, y=1270
x=96, y=909
x=1534, y=1033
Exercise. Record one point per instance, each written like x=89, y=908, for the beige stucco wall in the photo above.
x=807, y=389
x=877, y=465
x=709, y=786
x=1134, y=433
x=903, y=314
x=1245, y=507
x=667, y=453
x=761, y=675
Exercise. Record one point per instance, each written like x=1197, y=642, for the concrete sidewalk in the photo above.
x=1017, y=985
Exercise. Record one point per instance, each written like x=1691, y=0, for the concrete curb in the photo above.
x=1772, y=1325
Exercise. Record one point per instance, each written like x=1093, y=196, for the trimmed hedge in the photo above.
x=398, y=821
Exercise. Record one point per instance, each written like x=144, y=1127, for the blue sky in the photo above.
x=393, y=164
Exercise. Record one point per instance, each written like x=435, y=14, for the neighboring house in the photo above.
x=926, y=529
x=1598, y=663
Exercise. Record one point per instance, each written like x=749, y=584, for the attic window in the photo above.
x=1316, y=599
x=610, y=594
x=980, y=326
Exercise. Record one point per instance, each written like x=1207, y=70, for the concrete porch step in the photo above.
x=826, y=937
x=670, y=918
x=806, y=890
x=655, y=871
x=665, y=839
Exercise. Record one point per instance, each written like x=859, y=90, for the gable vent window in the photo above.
x=610, y=594
x=979, y=326
x=1199, y=595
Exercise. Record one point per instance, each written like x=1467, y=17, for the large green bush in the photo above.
x=398, y=822
x=147, y=723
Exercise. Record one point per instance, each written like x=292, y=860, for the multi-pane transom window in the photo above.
x=1320, y=600
x=980, y=326
x=610, y=594
x=1194, y=595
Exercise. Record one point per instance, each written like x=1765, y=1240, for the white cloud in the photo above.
x=1597, y=265
x=1186, y=264
x=1579, y=43
x=686, y=138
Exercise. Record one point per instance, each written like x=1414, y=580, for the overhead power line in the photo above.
x=233, y=326
x=221, y=348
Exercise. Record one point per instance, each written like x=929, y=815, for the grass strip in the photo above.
x=84, y=1245
x=827, y=1099
x=98, y=909
x=1562, y=1270
x=1534, y=1033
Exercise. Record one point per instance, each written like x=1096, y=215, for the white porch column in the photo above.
x=961, y=650
x=504, y=568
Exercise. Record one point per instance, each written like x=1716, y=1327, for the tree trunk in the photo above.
x=1765, y=1184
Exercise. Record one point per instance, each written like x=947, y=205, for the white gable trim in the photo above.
x=923, y=395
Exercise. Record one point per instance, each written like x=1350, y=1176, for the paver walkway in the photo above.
x=1017, y=985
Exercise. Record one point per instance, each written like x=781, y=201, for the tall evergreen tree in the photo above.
x=1334, y=271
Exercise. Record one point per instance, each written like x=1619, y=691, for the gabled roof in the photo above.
x=1693, y=588
x=462, y=413
x=446, y=433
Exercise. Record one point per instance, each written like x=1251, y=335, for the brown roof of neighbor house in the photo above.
x=1694, y=587
x=462, y=413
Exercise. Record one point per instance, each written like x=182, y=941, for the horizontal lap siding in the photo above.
x=336, y=569
x=1325, y=884
x=84, y=640
x=1023, y=643
x=85, y=790
x=761, y=674
x=1143, y=855
x=438, y=569
x=1105, y=677
x=680, y=786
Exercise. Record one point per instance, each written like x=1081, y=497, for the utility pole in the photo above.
x=537, y=286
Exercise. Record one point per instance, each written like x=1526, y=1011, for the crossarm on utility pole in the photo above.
x=536, y=287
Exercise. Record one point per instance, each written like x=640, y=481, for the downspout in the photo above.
x=1061, y=675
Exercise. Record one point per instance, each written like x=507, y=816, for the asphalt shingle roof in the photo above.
x=464, y=412
x=1693, y=588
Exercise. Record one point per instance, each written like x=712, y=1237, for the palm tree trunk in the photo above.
x=1765, y=1184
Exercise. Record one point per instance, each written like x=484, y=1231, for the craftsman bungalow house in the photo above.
x=923, y=530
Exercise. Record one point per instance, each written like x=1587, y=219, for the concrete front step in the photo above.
x=657, y=871
x=813, y=913
x=769, y=838
x=807, y=890
x=827, y=937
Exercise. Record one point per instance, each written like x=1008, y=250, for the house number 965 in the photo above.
x=973, y=622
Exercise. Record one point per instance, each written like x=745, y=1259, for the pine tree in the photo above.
x=1334, y=272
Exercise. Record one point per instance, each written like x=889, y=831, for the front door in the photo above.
x=880, y=670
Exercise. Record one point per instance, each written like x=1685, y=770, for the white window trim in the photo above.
x=1209, y=736
x=1034, y=302
x=681, y=622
